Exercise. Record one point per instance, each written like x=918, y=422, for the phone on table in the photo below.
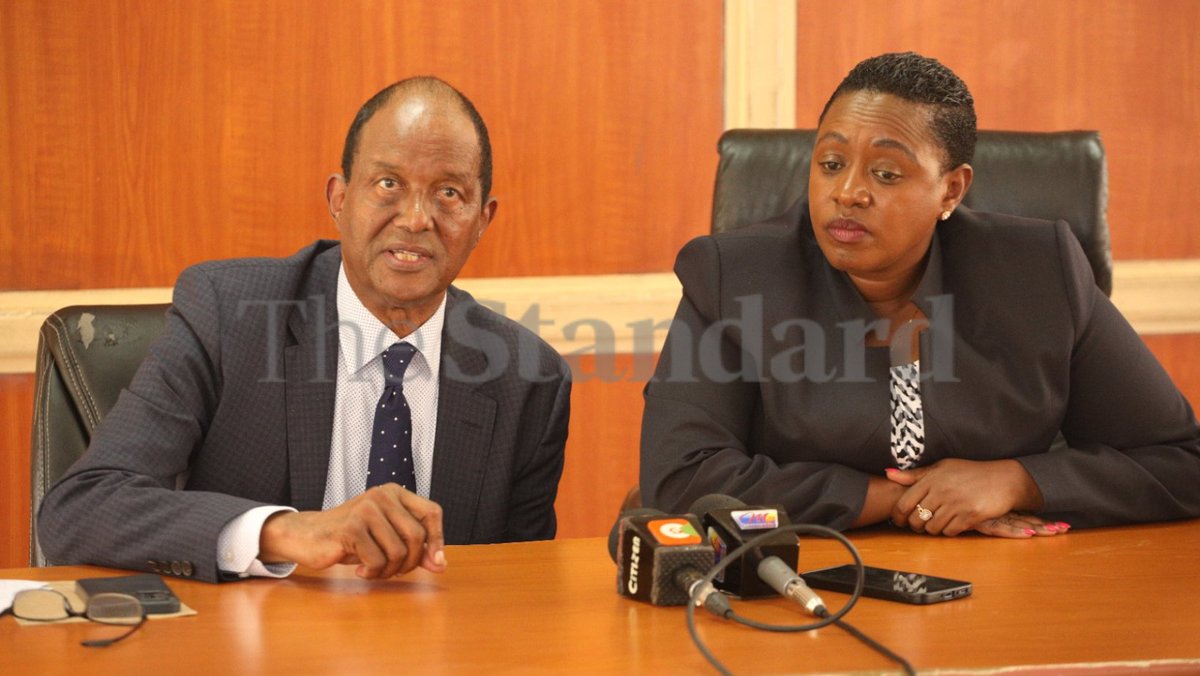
x=893, y=585
x=150, y=590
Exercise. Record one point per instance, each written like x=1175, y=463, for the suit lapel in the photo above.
x=466, y=417
x=310, y=372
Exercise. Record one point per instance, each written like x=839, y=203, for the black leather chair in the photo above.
x=86, y=355
x=1049, y=175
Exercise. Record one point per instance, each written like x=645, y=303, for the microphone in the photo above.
x=661, y=558
x=768, y=568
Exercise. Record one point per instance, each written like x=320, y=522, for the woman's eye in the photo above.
x=831, y=165
x=888, y=176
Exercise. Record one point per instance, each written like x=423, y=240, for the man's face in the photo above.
x=411, y=212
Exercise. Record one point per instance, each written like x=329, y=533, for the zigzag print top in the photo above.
x=908, y=419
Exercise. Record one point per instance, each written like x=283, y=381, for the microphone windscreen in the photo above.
x=615, y=533
x=714, y=501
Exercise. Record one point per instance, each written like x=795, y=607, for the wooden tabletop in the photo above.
x=1109, y=598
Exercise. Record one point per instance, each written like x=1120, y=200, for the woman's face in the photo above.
x=876, y=186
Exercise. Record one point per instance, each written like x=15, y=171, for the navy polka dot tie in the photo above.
x=391, y=437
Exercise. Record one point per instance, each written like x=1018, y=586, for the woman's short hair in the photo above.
x=925, y=80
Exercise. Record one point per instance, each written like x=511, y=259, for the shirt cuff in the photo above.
x=237, y=546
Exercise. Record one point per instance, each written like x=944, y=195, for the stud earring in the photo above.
x=945, y=214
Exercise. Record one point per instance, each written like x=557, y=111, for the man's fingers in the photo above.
x=429, y=514
x=387, y=531
x=371, y=558
x=396, y=549
x=434, y=562
x=401, y=535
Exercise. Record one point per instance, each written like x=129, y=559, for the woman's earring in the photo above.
x=945, y=214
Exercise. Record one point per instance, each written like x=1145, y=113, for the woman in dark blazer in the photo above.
x=881, y=352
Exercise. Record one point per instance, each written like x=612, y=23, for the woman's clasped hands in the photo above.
x=953, y=496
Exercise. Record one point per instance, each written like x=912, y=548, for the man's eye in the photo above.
x=449, y=193
x=388, y=183
x=831, y=165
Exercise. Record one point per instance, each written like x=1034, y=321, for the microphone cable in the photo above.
x=826, y=618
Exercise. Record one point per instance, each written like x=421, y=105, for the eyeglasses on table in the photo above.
x=49, y=605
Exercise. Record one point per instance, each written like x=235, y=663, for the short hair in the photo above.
x=428, y=84
x=924, y=80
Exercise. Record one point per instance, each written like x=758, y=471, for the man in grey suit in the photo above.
x=246, y=441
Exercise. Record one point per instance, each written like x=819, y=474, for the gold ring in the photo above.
x=923, y=514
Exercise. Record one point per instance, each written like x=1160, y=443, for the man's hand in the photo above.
x=386, y=530
x=970, y=495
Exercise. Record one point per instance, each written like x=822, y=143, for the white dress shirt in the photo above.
x=362, y=338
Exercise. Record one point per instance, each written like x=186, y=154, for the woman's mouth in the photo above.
x=846, y=230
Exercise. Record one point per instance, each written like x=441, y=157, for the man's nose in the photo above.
x=415, y=212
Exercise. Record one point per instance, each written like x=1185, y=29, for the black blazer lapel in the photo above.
x=310, y=372
x=466, y=417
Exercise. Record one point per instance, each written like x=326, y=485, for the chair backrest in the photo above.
x=86, y=355
x=1051, y=175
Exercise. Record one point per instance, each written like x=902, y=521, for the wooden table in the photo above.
x=1108, y=598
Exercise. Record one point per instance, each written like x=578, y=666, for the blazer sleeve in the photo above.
x=697, y=423
x=1133, y=444
x=120, y=504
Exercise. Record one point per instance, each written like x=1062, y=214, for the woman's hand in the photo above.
x=1021, y=525
x=962, y=495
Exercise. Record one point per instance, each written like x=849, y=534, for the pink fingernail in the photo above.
x=1052, y=527
x=1030, y=531
x=1064, y=525
x=891, y=470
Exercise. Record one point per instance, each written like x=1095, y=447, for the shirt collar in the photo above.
x=362, y=337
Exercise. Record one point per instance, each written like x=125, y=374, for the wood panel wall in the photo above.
x=144, y=136
x=16, y=416
x=604, y=115
x=1129, y=68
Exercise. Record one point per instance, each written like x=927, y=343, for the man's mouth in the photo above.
x=406, y=256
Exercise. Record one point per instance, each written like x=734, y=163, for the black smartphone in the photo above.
x=154, y=594
x=893, y=585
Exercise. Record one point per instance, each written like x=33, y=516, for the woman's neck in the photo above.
x=890, y=296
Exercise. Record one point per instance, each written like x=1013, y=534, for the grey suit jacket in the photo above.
x=765, y=389
x=234, y=404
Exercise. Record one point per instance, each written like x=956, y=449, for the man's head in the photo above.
x=428, y=84
x=412, y=201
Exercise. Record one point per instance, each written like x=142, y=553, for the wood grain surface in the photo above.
x=1129, y=68
x=143, y=136
x=551, y=607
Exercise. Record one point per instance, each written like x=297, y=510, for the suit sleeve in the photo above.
x=1133, y=445
x=531, y=513
x=119, y=505
x=698, y=420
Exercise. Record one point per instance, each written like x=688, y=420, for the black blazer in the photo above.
x=235, y=402
x=765, y=389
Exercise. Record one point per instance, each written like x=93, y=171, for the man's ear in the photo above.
x=958, y=181
x=335, y=194
x=485, y=216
